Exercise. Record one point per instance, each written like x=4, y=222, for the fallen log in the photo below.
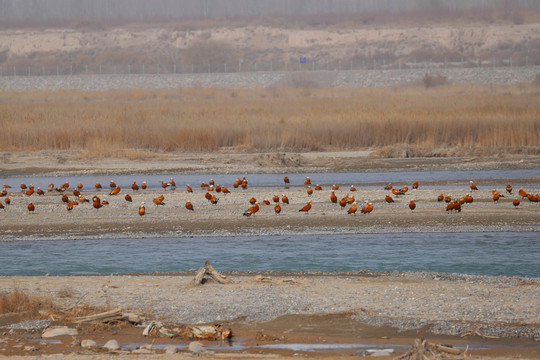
x=102, y=317
x=209, y=270
x=423, y=350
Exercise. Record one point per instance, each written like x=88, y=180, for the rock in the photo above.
x=30, y=348
x=197, y=348
x=171, y=350
x=60, y=331
x=142, y=351
x=88, y=343
x=112, y=345
x=384, y=352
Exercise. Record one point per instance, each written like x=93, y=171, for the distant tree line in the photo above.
x=62, y=11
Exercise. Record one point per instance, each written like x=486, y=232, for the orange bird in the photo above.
x=211, y=188
x=509, y=188
x=128, y=198
x=522, y=193
x=208, y=196
x=275, y=198
x=66, y=185
x=333, y=197
x=161, y=197
x=266, y=202
x=252, y=200
x=286, y=180
x=97, y=186
x=450, y=206
x=104, y=202
x=79, y=185
x=343, y=201
x=350, y=200
x=457, y=206
x=309, y=191
x=515, y=202
x=40, y=192
x=307, y=181
x=204, y=185
x=2, y=206
x=237, y=183
x=143, y=185
x=473, y=187
x=23, y=186
x=440, y=197
x=496, y=195
x=82, y=199
x=461, y=200
x=142, y=209
x=189, y=205
x=51, y=187
x=415, y=185
x=412, y=205
x=388, y=187
x=211, y=182
x=218, y=188
x=389, y=199
x=115, y=191
x=353, y=188
x=253, y=209
x=164, y=185
x=189, y=189
x=112, y=184
x=404, y=189
x=134, y=186
x=158, y=201
x=244, y=183
x=7, y=200
x=318, y=187
x=97, y=203
x=31, y=207
x=69, y=205
x=277, y=209
x=172, y=183
x=352, y=209
x=396, y=191
x=468, y=199
x=367, y=208
x=335, y=187
x=447, y=198
x=65, y=198
x=306, y=207
x=76, y=192
x=284, y=199
x=30, y=190
x=225, y=190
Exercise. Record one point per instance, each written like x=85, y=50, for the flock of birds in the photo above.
x=212, y=190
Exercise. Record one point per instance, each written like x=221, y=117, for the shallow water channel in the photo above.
x=481, y=253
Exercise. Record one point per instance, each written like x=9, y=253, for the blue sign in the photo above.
x=303, y=60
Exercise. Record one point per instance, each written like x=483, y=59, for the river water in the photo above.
x=482, y=253
x=499, y=177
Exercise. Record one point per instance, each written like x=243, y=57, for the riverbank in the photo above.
x=498, y=314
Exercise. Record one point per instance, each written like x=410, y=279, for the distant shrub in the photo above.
x=431, y=81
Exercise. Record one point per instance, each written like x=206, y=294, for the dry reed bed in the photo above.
x=408, y=121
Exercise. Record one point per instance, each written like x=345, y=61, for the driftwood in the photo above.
x=209, y=270
x=108, y=316
x=422, y=350
x=102, y=317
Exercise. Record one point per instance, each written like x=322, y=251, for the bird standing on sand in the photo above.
x=472, y=185
x=352, y=209
x=189, y=205
x=306, y=207
x=142, y=209
x=412, y=205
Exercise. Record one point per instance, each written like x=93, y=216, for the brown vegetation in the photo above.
x=401, y=122
x=20, y=303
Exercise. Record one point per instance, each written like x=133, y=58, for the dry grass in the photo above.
x=20, y=303
x=408, y=121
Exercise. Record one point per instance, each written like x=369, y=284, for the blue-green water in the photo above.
x=483, y=253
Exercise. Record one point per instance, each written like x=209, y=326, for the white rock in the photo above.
x=112, y=345
x=171, y=349
x=87, y=343
x=59, y=332
x=196, y=347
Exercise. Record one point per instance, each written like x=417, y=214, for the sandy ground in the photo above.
x=330, y=325
x=332, y=43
